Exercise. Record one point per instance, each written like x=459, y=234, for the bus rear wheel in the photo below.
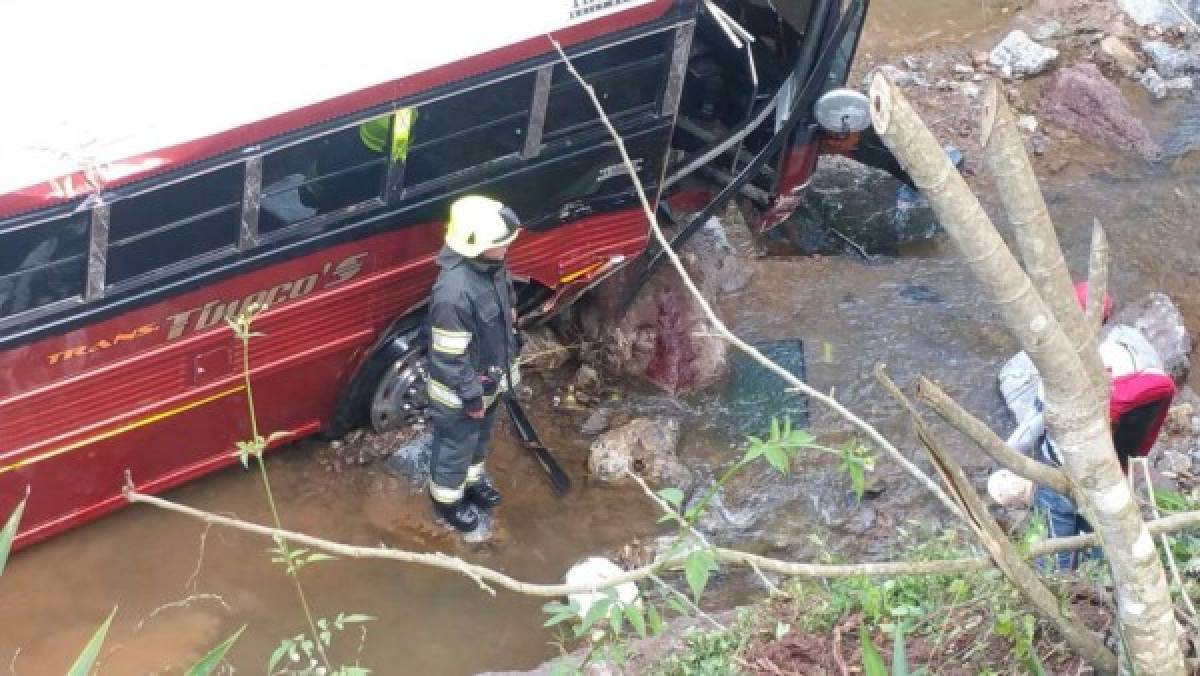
x=400, y=399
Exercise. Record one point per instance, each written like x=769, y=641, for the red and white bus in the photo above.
x=163, y=168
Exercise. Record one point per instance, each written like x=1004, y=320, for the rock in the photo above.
x=543, y=351
x=1122, y=58
x=686, y=356
x=1161, y=12
x=1154, y=84
x=596, y=422
x=586, y=378
x=1184, y=83
x=903, y=78
x=1047, y=30
x=851, y=201
x=1081, y=99
x=1174, y=462
x=972, y=91
x=1185, y=136
x=1027, y=124
x=1169, y=61
x=963, y=69
x=645, y=446
x=979, y=59
x=944, y=85
x=1157, y=317
x=718, y=268
x=410, y=461
x=1018, y=56
x=1039, y=144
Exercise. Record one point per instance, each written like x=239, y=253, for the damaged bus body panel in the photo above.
x=199, y=182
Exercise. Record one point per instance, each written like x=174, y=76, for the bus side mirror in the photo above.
x=843, y=111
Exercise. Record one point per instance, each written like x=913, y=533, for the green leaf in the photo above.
x=633, y=613
x=697, y=568
x=872, y=662
x=775, y=436
x=318, y=556
x=899, y=658
x=352, y=671
x=673, y=497
x=1033, y=663
x=285, y=647
x=10, y=532
x=597, y=610
x=655, y=620
x=354, y=618
x=559, y=612
x=83, y=664
x=778, y=458
x=210, y=661
x=616, y=618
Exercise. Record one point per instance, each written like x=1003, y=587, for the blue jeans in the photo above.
x=1062, y=520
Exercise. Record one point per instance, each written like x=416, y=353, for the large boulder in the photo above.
x=664, y=336
x=643, y=446
x=1157, y=317
x=1018, y=56
x=1081, y=99
x=851, y=206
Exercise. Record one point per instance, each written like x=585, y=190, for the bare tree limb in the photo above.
x=975, y=430
x=1076, y=416
x=1019, y=573
x=1097, y=282
x=1173, y=523
x=877, y=438
x=1005, y=156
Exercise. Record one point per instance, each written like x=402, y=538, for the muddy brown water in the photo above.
x=181, y=587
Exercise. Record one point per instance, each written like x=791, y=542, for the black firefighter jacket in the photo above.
x=471, y=331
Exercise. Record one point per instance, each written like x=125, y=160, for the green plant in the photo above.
x=704, y=653
x=314, y=645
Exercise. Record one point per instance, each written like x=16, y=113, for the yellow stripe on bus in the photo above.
x=121, y=430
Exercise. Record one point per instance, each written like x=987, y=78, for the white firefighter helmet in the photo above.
x=479, y=223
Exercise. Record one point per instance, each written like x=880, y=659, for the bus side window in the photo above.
x=324, y=175
x=466, y=130
x=167, y=227
x=42, y=263
x=628, y=79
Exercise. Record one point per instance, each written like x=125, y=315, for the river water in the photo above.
x=180, y=587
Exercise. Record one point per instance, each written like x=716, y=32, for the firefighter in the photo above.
x=473, y=348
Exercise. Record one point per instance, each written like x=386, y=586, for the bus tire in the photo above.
x=388, y=391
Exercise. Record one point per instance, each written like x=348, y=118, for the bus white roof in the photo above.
x=89, y=83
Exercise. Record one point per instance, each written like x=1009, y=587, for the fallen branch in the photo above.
x=975, y=430
x=720, y=327
x=733, y=557
x=1019, y=573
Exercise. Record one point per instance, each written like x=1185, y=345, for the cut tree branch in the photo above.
x=1170, y=524
x=983, y=437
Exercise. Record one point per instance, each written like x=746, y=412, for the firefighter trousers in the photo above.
x=460, y=446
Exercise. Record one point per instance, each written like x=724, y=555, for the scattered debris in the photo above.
x=1154, y=84
x=1018, y=56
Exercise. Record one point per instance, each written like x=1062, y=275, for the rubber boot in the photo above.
x=482, y=493
x=461, y=514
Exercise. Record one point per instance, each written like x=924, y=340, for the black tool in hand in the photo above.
x=559, y=481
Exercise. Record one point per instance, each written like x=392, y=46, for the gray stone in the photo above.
x=1184, y=137
x=1047, y=30
x=597, y=421
x=1040, y=143
x=1170, y=61
x=1174, y=462
x=1082, y=100
x=850, y=201
x=543, y=351
x=1147, y=12
x=963, y=69
x=1157, y=317
x=1027, y=124
x=1122, y=58
x=1184, y=83
x=1154, y=84
x=1018, y=56
x=643, y=446
x=901, y=77
x=971, y=90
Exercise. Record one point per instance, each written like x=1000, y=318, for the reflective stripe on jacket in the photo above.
x=471, y=333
